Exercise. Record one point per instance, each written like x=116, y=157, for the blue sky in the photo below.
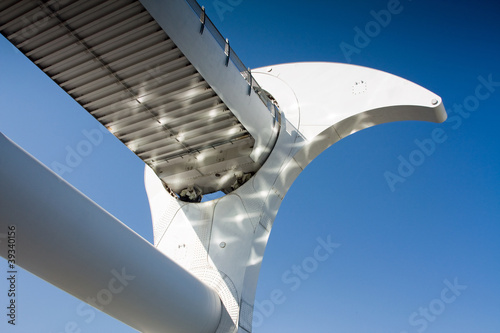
x=400, y=248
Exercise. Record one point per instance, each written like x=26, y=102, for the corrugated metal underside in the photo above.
x=115, y=61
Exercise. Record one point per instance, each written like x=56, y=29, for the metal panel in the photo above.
x=116, y=61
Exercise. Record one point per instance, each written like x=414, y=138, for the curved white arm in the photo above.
x=329, y=101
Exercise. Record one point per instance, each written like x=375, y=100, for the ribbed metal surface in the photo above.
x=115, y=61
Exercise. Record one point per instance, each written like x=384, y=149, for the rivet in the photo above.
x=434, y=101
x=222, y=244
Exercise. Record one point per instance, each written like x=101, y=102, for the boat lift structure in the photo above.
x=162, y=79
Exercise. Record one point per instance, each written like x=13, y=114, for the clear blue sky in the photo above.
x=398, y=245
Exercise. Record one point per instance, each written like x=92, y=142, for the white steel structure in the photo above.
x=160, y=77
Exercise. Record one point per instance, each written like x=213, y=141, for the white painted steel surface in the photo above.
x=66, y=239
x=223, y=241
x=316, y=95
x=328, y=101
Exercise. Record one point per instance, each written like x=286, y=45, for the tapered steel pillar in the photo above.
x=223, y=241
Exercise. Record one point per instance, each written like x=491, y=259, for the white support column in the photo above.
x=223, y=241
x=68, y=240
